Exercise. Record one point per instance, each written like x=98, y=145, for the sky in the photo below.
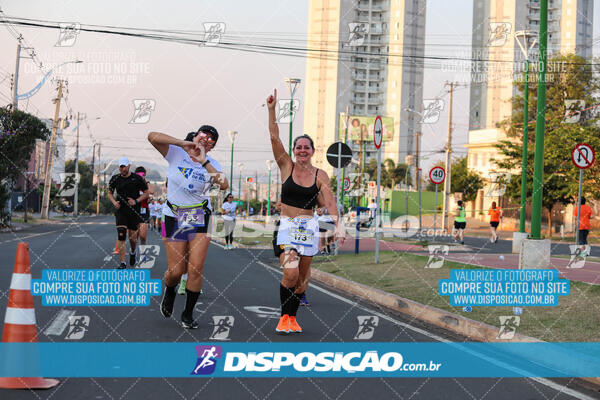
x=189, y=85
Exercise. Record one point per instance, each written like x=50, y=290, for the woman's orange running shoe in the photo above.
x=294, y=327
x=284, y=324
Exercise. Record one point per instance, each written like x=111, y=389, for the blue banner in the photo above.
x=300, y=359
x=516, y=288
x=95, y=287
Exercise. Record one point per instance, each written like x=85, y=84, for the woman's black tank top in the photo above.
x=298, y=196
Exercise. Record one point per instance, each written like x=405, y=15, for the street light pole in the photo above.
x=232, y=135
x=525, y=49
x=538, y=164
x=76, y=197
x=292, y=84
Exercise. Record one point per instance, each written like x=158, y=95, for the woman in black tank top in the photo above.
x=304, y=188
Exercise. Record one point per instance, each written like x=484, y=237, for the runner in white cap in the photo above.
x=126, y=199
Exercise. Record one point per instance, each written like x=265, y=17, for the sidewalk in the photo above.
x=590, y=273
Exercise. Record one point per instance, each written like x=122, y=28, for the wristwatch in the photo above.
x=205, y=162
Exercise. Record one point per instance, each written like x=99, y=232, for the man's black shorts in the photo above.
x=494, y=224
x=128, y=216
x=145, y=215
x=460, y=225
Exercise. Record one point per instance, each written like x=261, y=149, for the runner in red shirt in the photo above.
x=584, y=221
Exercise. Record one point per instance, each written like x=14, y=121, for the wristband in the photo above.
x=205, y=162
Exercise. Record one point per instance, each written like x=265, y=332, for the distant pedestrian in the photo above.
x=495, y=214
x=460, y=223
x=372, y=209
x=228, y=209
x=584, y=222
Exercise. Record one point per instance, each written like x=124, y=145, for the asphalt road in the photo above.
x=241, y=285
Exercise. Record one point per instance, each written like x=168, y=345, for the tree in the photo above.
x=463, y=180
x=569, y=77
x=18, y=133
x=391, y=174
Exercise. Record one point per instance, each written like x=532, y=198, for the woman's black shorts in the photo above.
x=494, y=224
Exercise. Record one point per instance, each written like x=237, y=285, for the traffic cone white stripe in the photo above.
x=20, y=281
x=20, y=316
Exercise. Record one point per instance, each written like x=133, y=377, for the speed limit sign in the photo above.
x=346, y=184
x=437, y=175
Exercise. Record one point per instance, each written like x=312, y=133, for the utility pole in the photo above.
x=98, y=184
x=50, y=161
x=418, y=174
x=447, y=186
x=76, y=197
x=16, y=77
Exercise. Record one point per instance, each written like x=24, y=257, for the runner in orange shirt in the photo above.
x=584, y=221
x=495, y=214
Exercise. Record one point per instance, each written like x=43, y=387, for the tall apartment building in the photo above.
x=492, y=83
x=361, y=63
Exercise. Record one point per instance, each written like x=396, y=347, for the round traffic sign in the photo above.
x=378, y=132
x=583, y=156
x=437, y=175
x=346, y=184
x=339, y=155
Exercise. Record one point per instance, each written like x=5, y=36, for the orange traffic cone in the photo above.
x=116, y=251
x=19, y=323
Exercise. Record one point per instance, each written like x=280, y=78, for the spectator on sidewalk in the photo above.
x=372, y=209
x=584, y=221
x=495, y=214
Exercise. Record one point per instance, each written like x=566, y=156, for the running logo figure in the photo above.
x=223, y=325
x=207, y=359
x=366, y=327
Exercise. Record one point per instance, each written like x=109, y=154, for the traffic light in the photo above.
x=249, y=179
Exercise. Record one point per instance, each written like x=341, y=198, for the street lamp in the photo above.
x=525, y=35
x=292, y=84
x=269, y=162
x=232, y=135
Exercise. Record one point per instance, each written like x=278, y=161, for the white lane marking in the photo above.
x=20, y=239
x=543, y=381
x=59, y=323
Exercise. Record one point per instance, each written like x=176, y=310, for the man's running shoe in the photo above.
x=122, y=266
x=284, y=324
x=132, y=259
x=188, y=323
x=181, y=289
x=294, y=327
x=166, y=305
x=303, y=301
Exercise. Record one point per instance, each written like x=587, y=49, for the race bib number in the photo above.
x=191, y=217
x=302, y=237
x=142, y=211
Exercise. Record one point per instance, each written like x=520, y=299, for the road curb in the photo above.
x=455, y=323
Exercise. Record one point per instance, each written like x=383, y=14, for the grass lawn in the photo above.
x=575, y=319
x=248, y=236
